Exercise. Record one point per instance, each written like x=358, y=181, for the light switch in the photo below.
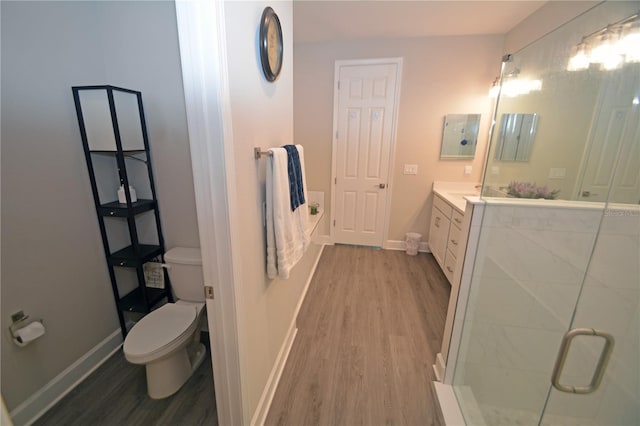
x=467, y=170
x=410, y=169
x=495, y=170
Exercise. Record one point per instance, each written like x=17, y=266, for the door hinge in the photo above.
x=338, y=85
x=336, y=135
x=335, y=180
x=334, y=222
x=208, y=292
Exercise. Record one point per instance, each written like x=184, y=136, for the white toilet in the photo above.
x=167, y=340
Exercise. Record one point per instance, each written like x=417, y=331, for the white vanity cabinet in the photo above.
x=445, y=235
x=454, y=207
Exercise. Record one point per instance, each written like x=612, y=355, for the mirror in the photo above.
x=517, y=132
x=459, y=136
x=587, y=124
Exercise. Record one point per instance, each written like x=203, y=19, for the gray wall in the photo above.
x=53, y=264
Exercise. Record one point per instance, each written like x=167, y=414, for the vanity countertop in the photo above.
x=458, y=193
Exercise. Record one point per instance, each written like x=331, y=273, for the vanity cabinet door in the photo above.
x=449, y=266
x=453, y=243
x=439, y=235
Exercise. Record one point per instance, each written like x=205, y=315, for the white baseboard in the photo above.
x=260, y=415
x=401, y=245
x=448, y=404
x=37, y=404
x=322, y=239
x=306, y=286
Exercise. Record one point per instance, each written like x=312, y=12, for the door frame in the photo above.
x=203, y=57
x=392, y=147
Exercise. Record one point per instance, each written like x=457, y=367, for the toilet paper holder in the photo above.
x=20, y=320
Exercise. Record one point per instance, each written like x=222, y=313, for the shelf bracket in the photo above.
x=135, y=158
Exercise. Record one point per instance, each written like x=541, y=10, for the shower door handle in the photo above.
x=600, y=368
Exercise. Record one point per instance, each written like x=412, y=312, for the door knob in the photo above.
x=382, y=185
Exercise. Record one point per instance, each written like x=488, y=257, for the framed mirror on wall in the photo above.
x=517, y=132
x=459, y=136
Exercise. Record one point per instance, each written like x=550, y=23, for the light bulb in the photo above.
x=579, y=59
x=629, y=44
x=606, y=51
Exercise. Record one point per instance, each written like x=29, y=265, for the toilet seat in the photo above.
x=160, y=332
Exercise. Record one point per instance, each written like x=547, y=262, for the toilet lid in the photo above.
x=159, y=328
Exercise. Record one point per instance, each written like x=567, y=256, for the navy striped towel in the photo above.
x=296, y=190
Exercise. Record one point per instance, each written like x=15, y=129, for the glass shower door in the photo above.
x=528, y=274
x=543, y=271
x=559, y=273
x=609, y=303
x=608, y=308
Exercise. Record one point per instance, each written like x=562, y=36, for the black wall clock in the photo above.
x=270, y=44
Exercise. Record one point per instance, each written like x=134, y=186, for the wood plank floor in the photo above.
x=116, y=394
x=368, y=333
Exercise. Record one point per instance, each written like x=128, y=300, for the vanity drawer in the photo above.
x=457, y=218
x=454, y=240
x=442, y=205
x=449, y=266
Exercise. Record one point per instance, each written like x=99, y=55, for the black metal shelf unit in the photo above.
x=116, y=144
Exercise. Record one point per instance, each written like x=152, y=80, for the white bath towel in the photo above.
x=287, y=232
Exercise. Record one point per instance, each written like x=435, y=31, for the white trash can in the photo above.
x=412, y=243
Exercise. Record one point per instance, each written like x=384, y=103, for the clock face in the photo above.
x=270, y=44
x=273, y=48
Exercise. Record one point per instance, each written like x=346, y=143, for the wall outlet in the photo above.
x=410, y=169
x=467, y=170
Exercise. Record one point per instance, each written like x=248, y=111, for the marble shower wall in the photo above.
x=532, y=260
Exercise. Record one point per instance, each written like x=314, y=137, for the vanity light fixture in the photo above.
x=609, y=47
x=513, y=85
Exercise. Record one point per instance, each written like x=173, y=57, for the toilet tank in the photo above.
x=185, y=273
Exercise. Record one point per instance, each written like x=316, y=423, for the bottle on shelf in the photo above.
x=122, y=199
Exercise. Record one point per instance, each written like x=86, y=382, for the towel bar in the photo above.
x=258, y=153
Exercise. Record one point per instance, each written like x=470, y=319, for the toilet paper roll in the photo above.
x=29, y=333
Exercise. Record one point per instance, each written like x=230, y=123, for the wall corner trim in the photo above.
x=46, y=397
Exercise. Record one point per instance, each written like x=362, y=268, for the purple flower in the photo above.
x=531, y=190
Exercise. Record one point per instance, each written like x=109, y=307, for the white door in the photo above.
x=615, y=139
x=364, y=120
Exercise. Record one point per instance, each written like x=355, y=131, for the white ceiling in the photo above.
x=320, y=20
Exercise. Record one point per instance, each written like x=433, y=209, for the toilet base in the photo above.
x=166, y=376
